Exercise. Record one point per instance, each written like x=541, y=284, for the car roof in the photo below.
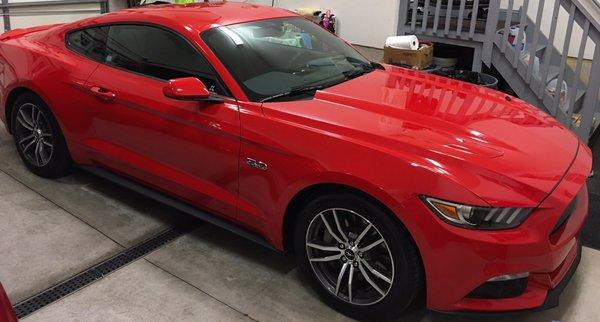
x=198, y=16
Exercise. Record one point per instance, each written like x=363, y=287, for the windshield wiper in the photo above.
x=356, y=73
x=297, y=91
x=376, y=65
x=363, y=69
x=312, y=88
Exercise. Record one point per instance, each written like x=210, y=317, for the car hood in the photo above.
x=501, y=148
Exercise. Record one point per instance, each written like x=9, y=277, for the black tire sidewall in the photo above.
x=60, y=161
x=407, y=285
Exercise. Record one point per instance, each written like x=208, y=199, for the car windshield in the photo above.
x=284, y=58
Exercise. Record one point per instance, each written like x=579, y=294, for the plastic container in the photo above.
x=432, y=69
x=481, y=79
x=513, y=34
x=445, y=62
x=553, y=90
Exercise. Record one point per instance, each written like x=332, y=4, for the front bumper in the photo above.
x=458, y=261
x=552, y=296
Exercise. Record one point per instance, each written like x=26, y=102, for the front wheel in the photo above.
x=360, y=260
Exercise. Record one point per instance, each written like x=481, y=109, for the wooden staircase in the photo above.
x=534, y=58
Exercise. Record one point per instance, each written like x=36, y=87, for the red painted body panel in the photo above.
x=394, y=134
x=6, y=312
x=187, y=148
x=189, y=88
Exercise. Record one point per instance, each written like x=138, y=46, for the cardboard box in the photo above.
x=418, y=59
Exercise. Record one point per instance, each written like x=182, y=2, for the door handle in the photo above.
x=103, y=93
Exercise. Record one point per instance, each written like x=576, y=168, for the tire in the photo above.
x=401, y=286
x=38, y=138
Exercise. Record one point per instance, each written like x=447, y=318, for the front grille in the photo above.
x=565, y=216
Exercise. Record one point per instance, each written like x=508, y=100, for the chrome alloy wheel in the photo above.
x=34, y=135
x=349, y=256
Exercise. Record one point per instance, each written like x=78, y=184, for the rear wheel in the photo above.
x=361, y=262
x=38, y=138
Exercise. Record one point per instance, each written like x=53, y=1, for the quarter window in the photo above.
x=89, y=42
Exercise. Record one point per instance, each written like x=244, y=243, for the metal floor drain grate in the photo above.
x=95, y=272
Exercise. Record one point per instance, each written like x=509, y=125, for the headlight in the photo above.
x=477, y=217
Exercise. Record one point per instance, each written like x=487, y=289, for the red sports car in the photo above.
x=6, y=312
x=391, y=186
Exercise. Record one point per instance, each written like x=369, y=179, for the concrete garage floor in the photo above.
x=51, y=230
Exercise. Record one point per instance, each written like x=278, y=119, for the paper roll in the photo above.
x=403, y=42
x=307, y=12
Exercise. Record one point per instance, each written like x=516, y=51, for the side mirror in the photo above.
x=188, y=89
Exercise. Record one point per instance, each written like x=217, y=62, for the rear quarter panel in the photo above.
x=40, y=62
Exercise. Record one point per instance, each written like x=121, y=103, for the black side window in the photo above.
x=89, y=42
x=157, y=53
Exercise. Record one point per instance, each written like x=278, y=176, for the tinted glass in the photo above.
x=271, y=57
x=89, y=42
x=157, y=53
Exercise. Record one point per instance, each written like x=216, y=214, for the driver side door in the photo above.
x=188, y=149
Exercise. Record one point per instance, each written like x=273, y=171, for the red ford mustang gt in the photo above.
x=6, y=312
x=390, y=186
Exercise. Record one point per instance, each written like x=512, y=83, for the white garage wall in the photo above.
x=361, y=22
x=263, y=2
x=46, y=15
x=114, y=5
